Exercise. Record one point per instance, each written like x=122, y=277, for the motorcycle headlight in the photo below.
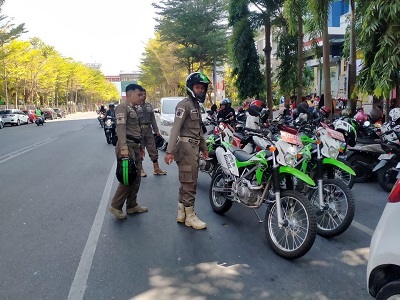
x=333, y=152
x=291, y=156
x=166, y=122
x=108, y=122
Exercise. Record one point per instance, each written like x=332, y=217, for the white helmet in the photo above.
x=394, y=114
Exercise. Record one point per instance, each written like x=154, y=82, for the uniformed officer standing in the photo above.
x=187, y=132
x=148, y=125
x=129, y=144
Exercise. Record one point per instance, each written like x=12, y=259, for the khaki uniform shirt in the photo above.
x=146, y=115
x=127, y=123
x=187, y=123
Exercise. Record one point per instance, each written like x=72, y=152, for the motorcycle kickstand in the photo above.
x=259, y=219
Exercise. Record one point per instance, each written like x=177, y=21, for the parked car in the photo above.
x=49, y=113
x=60, y=113
x=1, y=123
x=383, y=270
x=14, y=117
x=165, y=116
x=31, y=114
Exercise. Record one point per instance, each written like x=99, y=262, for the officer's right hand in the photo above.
x=169, y=158
x=125, y=153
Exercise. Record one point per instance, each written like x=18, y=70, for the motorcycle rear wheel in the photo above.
x=297, y=234
x=362, y=173
x=108, y=137
x=338, y=213
x=387, y=176
x=219, y=200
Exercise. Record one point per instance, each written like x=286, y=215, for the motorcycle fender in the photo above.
x=380, y=165
x=296, y=173
x=339, y=164
x=227, y=161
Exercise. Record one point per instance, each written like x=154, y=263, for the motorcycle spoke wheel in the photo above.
x=338, y=208
x=347, y=178
x=296, y=235
x=219, y=201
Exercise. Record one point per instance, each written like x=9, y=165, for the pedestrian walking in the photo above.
x=128, y=145
x=148, y=125
x=185, y=143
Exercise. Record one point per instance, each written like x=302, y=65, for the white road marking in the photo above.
x=76, y=129
x=79, y=284
x=363, y=228
x=18, y=152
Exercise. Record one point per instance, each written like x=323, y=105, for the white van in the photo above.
x=165, y=116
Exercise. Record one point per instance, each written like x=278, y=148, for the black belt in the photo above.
x=134, y=139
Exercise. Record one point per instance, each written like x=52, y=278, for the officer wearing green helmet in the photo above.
x=185, y=143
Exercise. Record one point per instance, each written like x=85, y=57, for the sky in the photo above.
x=113, y=33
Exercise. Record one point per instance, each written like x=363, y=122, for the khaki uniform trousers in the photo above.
x=124, y=192
x=150, y=144
x=187, y=159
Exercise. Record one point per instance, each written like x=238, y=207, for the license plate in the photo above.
x=290, y=138
x=335, y=134
x=385, y=156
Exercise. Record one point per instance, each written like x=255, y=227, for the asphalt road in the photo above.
x=58, y=241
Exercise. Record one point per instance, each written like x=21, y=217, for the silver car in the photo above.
x=165, y=116
x=1, y=123
x=14, y=117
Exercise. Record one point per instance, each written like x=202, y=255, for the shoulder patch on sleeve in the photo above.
x=120, y=118
x=179, y=112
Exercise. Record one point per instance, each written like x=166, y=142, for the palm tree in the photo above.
x=293, y=11
x=352, y=62
x=320, y=10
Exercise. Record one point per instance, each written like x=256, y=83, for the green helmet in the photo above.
x=126, y=170
x=194, y=78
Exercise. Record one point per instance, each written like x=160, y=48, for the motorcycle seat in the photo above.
x=368, y=141
x=240, y=154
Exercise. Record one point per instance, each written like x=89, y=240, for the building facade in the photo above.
x=122, y=80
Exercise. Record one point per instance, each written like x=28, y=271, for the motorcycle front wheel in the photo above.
x=108, y=137
x=296, y=235
x=338, y=211
x=387, y=176
x=347, y=178
x=219, y=199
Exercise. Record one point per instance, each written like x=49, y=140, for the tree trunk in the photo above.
x=327, y=68
x=267, y=51
x=201, y=65
x=300, y=58
x=353, y=62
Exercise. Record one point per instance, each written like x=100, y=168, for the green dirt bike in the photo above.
x=333, y=200
x=290, y=223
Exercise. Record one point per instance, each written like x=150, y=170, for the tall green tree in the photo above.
x=243, y=53
x=267, y=13
x=379, y=39
x=8, y=32
x=293, y=11
x=161, y=72
x=319, y=9
x=196, y=25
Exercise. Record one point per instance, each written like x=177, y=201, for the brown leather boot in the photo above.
x=157, y=170
x=192, y=220
x=143, y=173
